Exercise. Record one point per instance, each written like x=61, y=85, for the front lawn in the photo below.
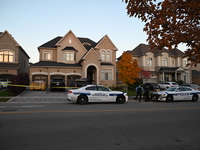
x=4, y=93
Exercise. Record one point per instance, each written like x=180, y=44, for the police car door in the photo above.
x=92, y=90
x=103, y=93
x=188, y=92
x=181, y=94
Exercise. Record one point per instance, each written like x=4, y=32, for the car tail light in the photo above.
x=70, y=92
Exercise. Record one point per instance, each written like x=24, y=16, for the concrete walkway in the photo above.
x=40, y=97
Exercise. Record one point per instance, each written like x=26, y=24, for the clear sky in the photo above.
x=35, y=22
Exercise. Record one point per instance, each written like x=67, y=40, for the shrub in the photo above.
x=18, y=83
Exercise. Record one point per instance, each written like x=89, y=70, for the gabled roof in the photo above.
x=17, y=44
x=52, y=43
x=101, y=40
x=90, y=52
x=142, y=49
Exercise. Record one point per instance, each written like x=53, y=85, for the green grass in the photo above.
x=3, y=94
x=131, y=92
x=4, y=99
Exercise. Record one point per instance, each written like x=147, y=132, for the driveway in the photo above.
x=40, y=97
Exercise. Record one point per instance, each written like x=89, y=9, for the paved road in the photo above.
x=129, y=126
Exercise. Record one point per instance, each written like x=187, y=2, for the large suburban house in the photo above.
x=13, y=58
x=164, y=65
x=70, y=57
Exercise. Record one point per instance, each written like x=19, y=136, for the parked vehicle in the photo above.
x=57, y=85
x=166, y=85
x=4, y=83
x=152, y=86
x=96, y=93
x=194, y=86
x=176, y=93
x=80, y=83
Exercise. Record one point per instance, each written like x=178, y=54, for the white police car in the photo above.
x=176, y=93
x=96, y=93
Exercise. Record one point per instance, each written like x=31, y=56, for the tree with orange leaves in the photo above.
x=169, y=23
x=128, y=70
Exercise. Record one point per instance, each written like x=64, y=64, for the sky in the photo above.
x=35, y=22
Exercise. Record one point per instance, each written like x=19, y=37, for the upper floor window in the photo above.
x=165, y=61
x=106, y=55
x=69, y=56
x=103, y=55
x=185, y=62
x=47, y=55
x=6, y=56
x=149, y=61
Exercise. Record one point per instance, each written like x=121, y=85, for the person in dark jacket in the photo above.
x=139, y=91
x=146, y=93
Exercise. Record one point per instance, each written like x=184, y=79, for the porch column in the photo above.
x=163, y=76
x=175, y=76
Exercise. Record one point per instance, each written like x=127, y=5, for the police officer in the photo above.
x=146, y=93
x=139, y=91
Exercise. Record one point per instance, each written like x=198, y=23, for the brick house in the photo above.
x=13, y=58
x=164, y=65
x=70, y=57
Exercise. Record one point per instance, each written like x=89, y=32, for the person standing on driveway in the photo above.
x=139, y=91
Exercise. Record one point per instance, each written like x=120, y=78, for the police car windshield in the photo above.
x=171, y=89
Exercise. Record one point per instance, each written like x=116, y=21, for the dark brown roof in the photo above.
x=69, y=48
x=54, y=64
x=87, y=43
x=51, y=43
x=142, y=49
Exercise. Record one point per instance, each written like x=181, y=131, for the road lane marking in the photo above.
x=78, y=111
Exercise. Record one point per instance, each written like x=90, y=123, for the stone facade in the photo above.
x=164, y=65
x=70, y=57
x=13, y=58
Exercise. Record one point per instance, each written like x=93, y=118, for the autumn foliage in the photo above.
x=128, y=70
x=169, y=23
x=144, y=74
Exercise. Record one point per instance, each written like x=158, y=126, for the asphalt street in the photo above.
x=100, y=126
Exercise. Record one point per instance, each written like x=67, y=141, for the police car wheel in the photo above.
x=169, y=98
x=195, y=98
x=120, y=99
x=82, y=99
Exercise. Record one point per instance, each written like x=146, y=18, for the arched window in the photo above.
x=103, y=55
x=165, y=61
x=108, y=56
x=149, y=61
x=6, y=56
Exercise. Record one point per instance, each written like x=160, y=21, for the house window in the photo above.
x=6, y=56
x=47, y=55
x=69, y=56
x=185, y=62
x=103, y=55
x=106, y=74
x=149, y=61
x=106, y=55
x=165, y=61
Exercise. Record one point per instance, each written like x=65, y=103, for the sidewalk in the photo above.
x=40, y=97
